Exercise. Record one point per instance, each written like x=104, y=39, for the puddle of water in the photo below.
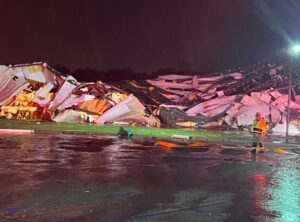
x=38, y=161
x=166, y=177
x=86, y=145
x=194, y=149
x=233, y=152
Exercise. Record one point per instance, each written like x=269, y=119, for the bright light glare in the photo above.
x=295, y=49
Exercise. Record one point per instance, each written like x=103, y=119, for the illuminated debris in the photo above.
x=145, y=92
x=166, y=144
x=70, y=116
x=185, y=84
x=280, y=151
x=38, y=92
x=37, y=72
x=213, y=107
x=281, y=128
x=187, y=124
x=97, y=89
x=63, y=93
x=179, y=136
x=74, y=101
x=131, y=110
x=26, y=95
x=43, y=97
x=94, y=106
x=20, y=107
x=174, y=117
x=230, y=98
x=176, y=145
x=10, y=83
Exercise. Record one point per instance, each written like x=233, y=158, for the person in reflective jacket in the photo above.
x=259, y=131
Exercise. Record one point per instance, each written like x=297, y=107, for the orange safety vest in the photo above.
x=259, y=126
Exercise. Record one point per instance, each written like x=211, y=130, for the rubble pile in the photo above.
x=230, y=99
x=38, y=92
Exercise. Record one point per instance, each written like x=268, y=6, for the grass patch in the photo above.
x=113, y=130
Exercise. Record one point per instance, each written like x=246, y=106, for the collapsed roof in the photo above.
x=38, y=92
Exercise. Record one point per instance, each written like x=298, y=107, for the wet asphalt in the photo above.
x=81, y=177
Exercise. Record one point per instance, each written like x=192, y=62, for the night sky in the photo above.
x=146, y=35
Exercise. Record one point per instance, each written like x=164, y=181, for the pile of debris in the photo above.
x=230, y=99
x=38, y=92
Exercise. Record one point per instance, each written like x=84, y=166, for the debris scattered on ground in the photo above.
x=38, y=92
x=181, y=144
x=280, y=151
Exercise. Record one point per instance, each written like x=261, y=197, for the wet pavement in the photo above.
x=80, y=177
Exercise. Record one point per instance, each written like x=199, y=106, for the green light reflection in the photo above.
x=284, y=194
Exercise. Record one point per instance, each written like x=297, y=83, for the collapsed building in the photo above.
x=38, y=92
x=228, y=99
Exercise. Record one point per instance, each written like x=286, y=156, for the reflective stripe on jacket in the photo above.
x=259, y=126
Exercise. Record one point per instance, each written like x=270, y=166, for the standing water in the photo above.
x=82, y=177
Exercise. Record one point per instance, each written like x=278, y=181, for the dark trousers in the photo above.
x=257, y=139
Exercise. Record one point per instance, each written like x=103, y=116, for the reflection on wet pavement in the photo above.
x=284, y=194
x=82, y=177
x=85, y=145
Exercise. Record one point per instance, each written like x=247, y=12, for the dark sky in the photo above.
x=146, y=35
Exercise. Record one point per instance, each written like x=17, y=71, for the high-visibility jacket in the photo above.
x=259, y=126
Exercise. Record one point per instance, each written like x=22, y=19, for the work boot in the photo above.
x=264, y=149
x=258, y=150
x=261, y=150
